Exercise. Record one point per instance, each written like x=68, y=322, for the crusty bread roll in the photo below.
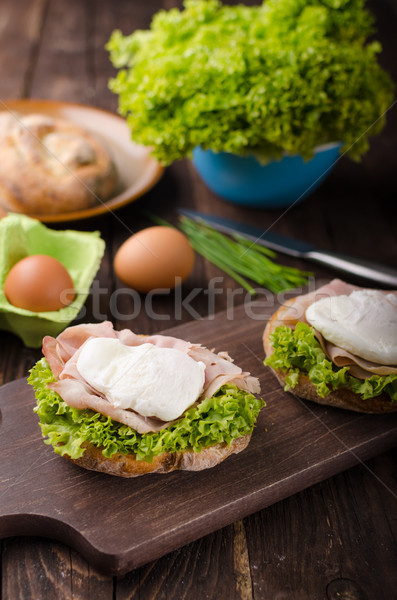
x=341, y=398
x=127, y=466
x=51, y=166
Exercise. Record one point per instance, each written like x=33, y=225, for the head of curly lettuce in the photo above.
x=278, y=78
x=229, y=414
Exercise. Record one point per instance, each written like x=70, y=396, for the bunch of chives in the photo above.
x=241, y=259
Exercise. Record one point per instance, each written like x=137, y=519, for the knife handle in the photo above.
x=362, y=268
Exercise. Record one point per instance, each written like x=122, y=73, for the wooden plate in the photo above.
x=119, y=524
x=138, y=171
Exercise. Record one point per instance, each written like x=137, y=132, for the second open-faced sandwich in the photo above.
x=127, y=404
x=337, y=346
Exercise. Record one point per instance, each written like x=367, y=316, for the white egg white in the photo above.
x=153, y=381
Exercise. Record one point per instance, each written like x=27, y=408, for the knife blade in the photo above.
x=362, y=268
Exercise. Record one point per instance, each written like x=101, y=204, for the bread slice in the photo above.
x=128, y=466
x=341, y=398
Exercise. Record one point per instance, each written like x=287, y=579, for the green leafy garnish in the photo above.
x=229, y=414
x=298, y=351
x=278, y=78
x=241, y=259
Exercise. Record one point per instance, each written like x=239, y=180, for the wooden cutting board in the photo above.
x=120, y=524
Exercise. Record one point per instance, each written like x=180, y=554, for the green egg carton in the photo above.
x=80, y=252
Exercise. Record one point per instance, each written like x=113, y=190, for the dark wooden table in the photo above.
x=336, y=540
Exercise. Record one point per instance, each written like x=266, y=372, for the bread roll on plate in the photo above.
x=50, y=165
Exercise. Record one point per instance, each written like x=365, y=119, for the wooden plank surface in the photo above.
x=336, y=539
x=294, y=445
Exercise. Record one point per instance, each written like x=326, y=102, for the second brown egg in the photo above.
x=156, y=257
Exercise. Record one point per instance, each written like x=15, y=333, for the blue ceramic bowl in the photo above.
x=243, y=180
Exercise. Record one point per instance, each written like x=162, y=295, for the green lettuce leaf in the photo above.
x=298, y=351
x=229, y=414
x=282, y=77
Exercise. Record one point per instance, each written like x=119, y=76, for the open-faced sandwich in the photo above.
x=127, y=404
x=337, y=346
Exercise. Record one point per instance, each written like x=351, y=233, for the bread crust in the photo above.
x=340, y=398
x=124, y=465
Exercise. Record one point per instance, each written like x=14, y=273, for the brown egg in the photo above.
x=39, y=283
x=154, y=258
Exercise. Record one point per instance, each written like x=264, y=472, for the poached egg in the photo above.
x=152, y=381
x=363, y=323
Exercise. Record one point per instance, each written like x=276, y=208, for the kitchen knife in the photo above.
x=365, y=269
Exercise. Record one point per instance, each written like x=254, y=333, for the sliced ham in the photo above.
x=50, y=351
x=242, y=380
x=220, y=369
x=359, y=367
x=62, y=354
